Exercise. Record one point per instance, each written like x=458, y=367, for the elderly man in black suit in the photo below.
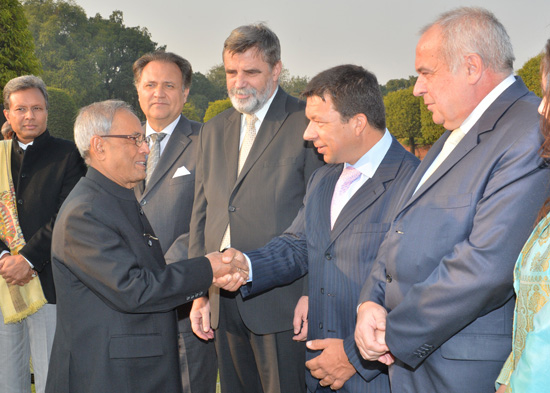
x=252, y=172
x=43, y=170
x=116, y=326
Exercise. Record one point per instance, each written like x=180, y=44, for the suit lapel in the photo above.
x=271, y=125
x=232, y=133
x=178, y=142
x=370, y=191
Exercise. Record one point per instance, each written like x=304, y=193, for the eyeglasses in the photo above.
x=137, y=137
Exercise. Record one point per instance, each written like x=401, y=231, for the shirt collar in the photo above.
x=370, y=161
x=486, y=103
x=167, y=130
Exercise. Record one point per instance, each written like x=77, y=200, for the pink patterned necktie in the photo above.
x=339, y=200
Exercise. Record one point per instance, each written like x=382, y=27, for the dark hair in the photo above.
x=353, y=90
x=24, y=82
x=257, y=36
x=545, y=118
x=166, y=57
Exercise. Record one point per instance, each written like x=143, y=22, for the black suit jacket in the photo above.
x=261, y=203
x=43, y=176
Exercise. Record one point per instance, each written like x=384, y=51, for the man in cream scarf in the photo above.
x=37, y=172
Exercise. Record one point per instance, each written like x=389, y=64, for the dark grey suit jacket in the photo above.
x=261, y=203
x=338, y=260
x=168, y=199
x=116, y=324
x=445, y=269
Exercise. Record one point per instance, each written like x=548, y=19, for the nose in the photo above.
x=29, y=114
x=310, y=134
x=159, y=91
x=240, y=81
x=419, y=87
x=144, y=148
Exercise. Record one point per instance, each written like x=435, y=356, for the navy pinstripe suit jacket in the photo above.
x=338, y=260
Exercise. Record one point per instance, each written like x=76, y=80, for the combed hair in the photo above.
x=257, y=36
x=95, y=119
x=474, y=30
x=23, y=83
x=353, y=90
x=166, y=57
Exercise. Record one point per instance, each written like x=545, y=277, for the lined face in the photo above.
x=250, y=80
x=161, y=94
x=445, y=93
x=27, y=115
x=124, y=161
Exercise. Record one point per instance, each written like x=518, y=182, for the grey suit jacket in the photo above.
x=338, y=260
x=168, y=200
x=444, y=271
x=116, y=324
x=261, y=203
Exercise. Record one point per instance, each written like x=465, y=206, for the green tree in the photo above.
x=403, y=116
x=430, y=131
x=202, y=92
x=397, y=84
x=294, y=85
x=62, y=113
x=91, y=58
x=216, y=76
x=216, y=108
x=530, y=73
x=16, y=44
x=191, y=112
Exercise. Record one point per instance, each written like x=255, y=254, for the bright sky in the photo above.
x=380, y=35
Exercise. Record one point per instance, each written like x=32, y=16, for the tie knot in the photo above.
x=455, y=137
x=157, y=136
x=348, y=176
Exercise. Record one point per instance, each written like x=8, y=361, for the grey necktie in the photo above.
x=154, y=154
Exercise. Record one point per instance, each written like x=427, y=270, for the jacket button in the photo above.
x=23, y=175
x=321, y=325
x=328, y=257
x=232, y=208
x=149, y=243
x=20, y=202
x=143, y=203
x=389, y=278
x=141, y=211
x=322, y=291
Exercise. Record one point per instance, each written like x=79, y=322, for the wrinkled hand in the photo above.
x=332, y=366
x=230, y=269
x=370, y=333
x=300, y=319
x=16, y=270
x=200, y=318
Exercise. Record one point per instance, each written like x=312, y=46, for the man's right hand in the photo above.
x=230, y=269
x=200, y=318
x=370, y=333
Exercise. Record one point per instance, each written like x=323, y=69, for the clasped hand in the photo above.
x=230, y=269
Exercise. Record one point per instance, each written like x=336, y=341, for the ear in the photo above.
x=97, y=148
x=276, y=71
x=7, y=115
x=474, y=67
x=359, y=123
x=185, y=95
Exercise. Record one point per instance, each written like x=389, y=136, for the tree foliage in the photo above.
x=216, y=108
x=294, y=85
x=62, y=113
x=403, y=116
x=16, y=44
x=191, y=112
x=397, y=84
x=430, y=131
x=530, y=73
x=90, y=58
x=202, y=92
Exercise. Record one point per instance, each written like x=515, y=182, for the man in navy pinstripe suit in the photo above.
x=347, y=209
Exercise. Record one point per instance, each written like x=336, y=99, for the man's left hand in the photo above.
x=332, y=366
x=16, y=270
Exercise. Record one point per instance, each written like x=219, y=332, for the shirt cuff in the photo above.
x=249, y=268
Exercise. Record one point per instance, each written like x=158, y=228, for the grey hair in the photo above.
x=95, y=119
x=257, y=36
x=474, y=30
x=24, y=82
